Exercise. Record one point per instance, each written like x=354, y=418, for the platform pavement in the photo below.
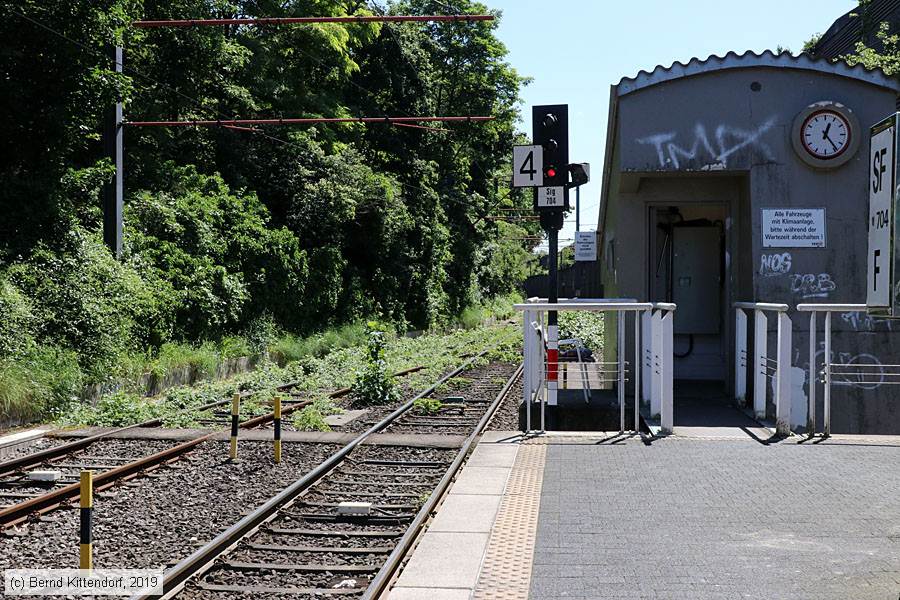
x=686, y=516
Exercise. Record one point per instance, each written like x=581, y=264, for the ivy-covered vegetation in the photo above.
x=236, y=237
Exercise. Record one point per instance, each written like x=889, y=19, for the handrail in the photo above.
x=831, y=307
x=587, y=306
x=762, y=306
x=541, y=370
x=764, y=368
x=814, y=310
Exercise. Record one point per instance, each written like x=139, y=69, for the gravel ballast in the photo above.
x=156, y=520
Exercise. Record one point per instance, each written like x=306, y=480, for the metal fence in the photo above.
x=764, y=368
x=653, y=349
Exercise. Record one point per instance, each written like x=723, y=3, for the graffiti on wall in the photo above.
x=772, y=265
x=863, y=371
x=810, y=285
x=717, y=149
x=865, y=323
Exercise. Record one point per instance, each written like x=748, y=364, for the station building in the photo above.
x=745, y=178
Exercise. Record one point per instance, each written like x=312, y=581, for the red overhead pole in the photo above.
x=309, y=20
x=303, y=121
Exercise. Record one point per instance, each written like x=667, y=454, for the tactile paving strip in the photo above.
x=506, y=569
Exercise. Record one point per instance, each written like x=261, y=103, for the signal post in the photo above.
x=544, y=166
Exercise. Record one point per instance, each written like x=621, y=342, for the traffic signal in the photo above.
x=550, y=126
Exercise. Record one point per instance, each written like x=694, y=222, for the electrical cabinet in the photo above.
x=696, y=279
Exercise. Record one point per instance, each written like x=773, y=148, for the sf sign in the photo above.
x=882, y=174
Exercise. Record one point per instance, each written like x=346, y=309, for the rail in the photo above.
x=541, y=375
x=764, y=368
x=828, y=365
x=201, y=559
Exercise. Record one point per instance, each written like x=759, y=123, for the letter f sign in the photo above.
x=875, y=271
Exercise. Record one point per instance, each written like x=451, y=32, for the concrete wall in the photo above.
x=725, y=137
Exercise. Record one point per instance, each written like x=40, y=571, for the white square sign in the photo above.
x=552, y=197
x=528, y=166
x=881, y=189
x=585, y=246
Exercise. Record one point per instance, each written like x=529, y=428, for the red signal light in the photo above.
x=551, y=172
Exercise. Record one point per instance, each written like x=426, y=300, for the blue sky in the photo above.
x=575, y=49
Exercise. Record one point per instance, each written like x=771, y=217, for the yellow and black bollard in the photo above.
x=235, y=412
x=277, y=411
x=85, y=552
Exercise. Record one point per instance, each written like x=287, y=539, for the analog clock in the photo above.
x=825, y=135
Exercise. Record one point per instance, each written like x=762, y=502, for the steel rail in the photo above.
x=14, y=465
x=200, y=560
x=385, y=575
x=19, y=512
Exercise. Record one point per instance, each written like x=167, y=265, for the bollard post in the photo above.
x=277, y=420
x=85, y=549
x=235, y=411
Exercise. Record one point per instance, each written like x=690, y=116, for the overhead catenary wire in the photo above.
x=349, y=19
x=304, y=121
x=236, y=124
x=223, y=119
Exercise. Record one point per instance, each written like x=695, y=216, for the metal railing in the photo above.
x=764, y=368
x=658, y=354
x=542, y=368
x=861, y=373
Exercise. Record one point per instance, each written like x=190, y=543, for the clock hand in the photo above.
x=825, y=133
x=833, y=145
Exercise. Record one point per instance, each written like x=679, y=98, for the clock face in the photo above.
x=825, y=134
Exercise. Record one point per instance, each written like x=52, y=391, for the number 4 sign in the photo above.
x=528, y=166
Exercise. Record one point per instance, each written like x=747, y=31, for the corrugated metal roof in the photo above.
x=846, y=31
x=750, y=59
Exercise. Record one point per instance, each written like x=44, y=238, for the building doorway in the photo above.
x=688, y=266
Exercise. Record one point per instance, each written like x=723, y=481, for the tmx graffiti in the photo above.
x=725, y=142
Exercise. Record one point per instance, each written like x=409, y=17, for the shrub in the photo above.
x=427, y=406
x=373, y=384
x=86, y=300
x=17, y=322
x=584, y=325
x=312, y=417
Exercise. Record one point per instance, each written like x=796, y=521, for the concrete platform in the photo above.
x=264, y=435
x=21, y=439
x=587, y=516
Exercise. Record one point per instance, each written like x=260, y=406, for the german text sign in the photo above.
x=793, y=227
x=585, y=246
x=881, y=190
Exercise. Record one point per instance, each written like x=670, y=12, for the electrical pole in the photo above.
x=112, y=146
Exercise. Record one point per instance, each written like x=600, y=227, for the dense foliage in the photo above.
x=234, y=231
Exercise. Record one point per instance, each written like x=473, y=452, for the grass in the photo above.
x=313, y=374
x=290, y=348
x=312, y=417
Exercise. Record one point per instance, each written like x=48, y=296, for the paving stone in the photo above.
x=466, y=513
x=444, y=560
x=717, y=519
x=493, y=455
x=481, y=481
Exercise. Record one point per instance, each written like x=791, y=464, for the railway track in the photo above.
x=307, y=542
x=22, y=497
